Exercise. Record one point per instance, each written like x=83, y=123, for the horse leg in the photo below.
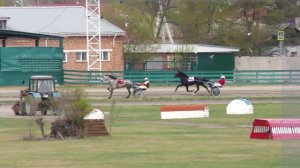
x=129, y=92
x=187, y=88
x=111, y=93
x=177, y=87
x=197, y=85
x=205, y=87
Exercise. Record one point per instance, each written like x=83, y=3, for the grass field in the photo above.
x=141, y=139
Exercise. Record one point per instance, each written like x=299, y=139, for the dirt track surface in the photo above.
x=12, y=93
x=166, y=95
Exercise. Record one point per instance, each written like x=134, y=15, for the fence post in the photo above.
x=256, y=77
x=235, y=78
x=273, y=77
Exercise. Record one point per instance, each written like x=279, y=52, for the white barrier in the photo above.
x=184, y=111
x=240, y=106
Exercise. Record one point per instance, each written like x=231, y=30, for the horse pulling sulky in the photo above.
x=187, y=81
x=117, y=83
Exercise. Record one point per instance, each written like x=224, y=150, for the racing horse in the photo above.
x=188, y=81
x=116, y=83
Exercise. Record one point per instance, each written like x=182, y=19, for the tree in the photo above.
x=245, y=24
x=136, y=53
x=131, y=16
x=260, y=19
x=289, y=8
x=134, y=17
x=197, y=20
x=5, y=3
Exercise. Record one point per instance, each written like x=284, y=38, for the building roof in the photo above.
x=180, y=48
x=58, y=20
x=11, y=33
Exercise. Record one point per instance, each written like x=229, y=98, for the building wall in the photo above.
x=75, y=44
x=21, y=59
x=216, y=61
x=26, y=42
x=267, y=63
x=78, y=44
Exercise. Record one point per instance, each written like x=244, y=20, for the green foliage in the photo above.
x=274, y=17
x=75, y=106
x=131, y=16
x=238, y=23
x=191, y=25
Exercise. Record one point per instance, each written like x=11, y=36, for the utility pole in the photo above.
x=93, y=35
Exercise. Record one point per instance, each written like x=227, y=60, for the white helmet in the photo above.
x=146, y=79
x=223, y=76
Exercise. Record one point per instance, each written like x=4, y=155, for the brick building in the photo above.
x=69, y=22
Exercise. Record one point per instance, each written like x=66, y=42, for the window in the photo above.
x=65, y=59
x=45, y=86
x=105, y=56
x=81, y=56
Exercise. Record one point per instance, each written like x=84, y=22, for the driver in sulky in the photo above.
x=145, y=84
x=220, y=82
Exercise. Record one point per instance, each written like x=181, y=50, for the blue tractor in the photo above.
x=41, y=95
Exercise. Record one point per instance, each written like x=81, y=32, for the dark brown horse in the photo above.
x=188, y=81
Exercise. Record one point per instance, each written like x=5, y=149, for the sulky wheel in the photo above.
x=215, y=91
x=138, y=92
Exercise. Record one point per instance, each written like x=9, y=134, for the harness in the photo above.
x=120, y=81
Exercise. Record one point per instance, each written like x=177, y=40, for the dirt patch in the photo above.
x=7, y=112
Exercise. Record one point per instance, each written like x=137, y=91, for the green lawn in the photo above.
x=141, y=139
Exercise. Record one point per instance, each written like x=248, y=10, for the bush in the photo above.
x=75, y=107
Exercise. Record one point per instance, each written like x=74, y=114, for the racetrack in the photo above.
x=166, y=95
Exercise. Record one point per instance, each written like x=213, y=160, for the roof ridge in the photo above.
x=39, y=7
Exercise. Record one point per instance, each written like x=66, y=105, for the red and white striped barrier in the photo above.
x=276, y=129
x=184, y=111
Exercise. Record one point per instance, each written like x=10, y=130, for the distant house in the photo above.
x=69, y=22
x=197, y=57
x=290, y=47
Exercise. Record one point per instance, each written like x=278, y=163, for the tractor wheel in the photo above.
x=30, y=105
x=23, y=108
